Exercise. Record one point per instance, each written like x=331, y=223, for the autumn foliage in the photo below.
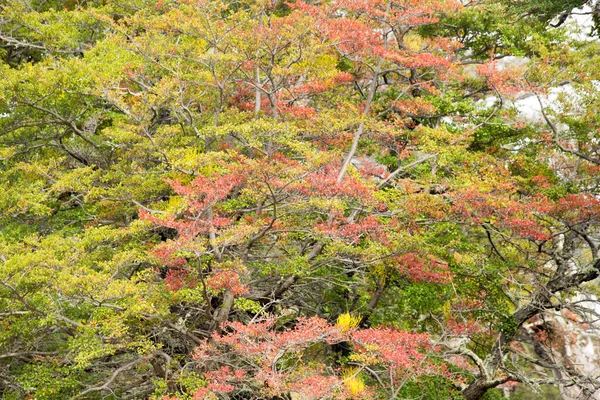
x=206, y=199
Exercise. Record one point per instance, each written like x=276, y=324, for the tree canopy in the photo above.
x=252, y=199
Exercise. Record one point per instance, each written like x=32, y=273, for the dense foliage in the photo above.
x=219, y=199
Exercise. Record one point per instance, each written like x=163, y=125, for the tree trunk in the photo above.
x=476, y=389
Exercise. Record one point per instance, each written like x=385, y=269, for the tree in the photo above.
x=213, y=199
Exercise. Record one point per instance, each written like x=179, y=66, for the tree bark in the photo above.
x=476, y=389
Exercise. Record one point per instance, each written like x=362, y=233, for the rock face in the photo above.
x=561, y=338
x=567, y=340
x=582, y=350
